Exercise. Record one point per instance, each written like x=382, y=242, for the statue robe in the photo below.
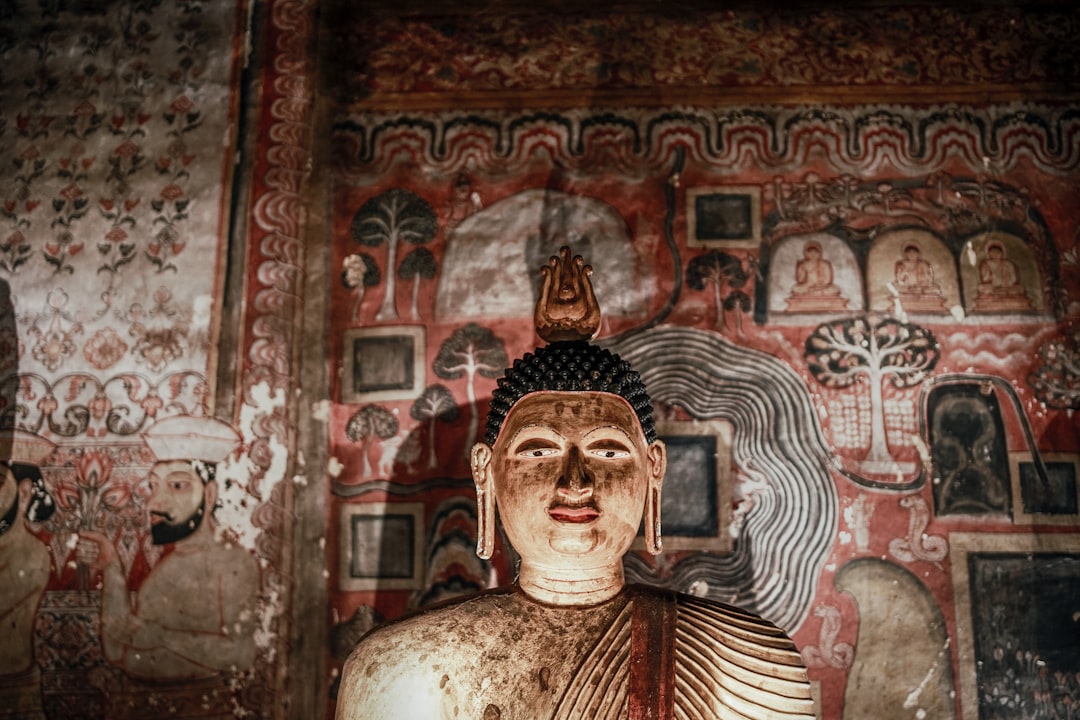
x=645, y=654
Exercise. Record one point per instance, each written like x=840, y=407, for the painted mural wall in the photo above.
x=856, y=308
x=142, y=549
x=857, y=321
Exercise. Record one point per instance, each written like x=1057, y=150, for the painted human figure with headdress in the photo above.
x=192, y=619
x=571, y=463
x=25, y=564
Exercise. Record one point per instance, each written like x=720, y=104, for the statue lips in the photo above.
x=574, y=513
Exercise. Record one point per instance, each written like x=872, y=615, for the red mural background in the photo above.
x=844, y=178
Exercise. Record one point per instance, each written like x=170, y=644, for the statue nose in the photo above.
x=575, y=481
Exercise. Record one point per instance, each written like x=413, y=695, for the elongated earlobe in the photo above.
x=485, y=500
x=657, y=465
x=653, y=540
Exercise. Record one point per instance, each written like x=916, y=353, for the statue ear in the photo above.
x=485, y=500
x=656, y=464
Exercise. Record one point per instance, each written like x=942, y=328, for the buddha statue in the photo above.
x=571, y=463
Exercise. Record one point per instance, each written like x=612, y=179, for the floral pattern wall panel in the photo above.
x=135, y=562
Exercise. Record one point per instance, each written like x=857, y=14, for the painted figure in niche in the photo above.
x=25, y=565
x=359, y=271
x=913, y=277
x=571, y=460
x=999, y=283
x=192, y=620
x=464, y=201
x=814, y=290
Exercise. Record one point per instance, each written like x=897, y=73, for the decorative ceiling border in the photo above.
x=531, y=58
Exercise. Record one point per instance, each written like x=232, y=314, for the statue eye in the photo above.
x=537, y=452
x=536, y=449
x=608, y=452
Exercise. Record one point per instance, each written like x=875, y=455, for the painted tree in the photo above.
x=366, y=424
x=721, y=270
x=389, y=218
x=435, y=403
x=860, y=349
x=1056, y=381
x=416, y=266
x=359, y=271
x=741, y=303
x=470, y=351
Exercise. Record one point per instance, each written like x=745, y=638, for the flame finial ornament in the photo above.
x=567, y=308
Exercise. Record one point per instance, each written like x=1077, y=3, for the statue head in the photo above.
x=570, y=456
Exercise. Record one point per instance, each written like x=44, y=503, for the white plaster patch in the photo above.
x=237, y=503
x=320, y=411
x=334, y=467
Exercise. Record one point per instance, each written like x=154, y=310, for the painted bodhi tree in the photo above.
x=871, y=350
x=470, y=351
x=388, y=219
x=725, y=273
x=366, y=424
x=1056, y=380
x=418, y=265
x=435, y=403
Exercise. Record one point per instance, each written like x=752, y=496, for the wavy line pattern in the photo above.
x=859, y=139
x=777, y=442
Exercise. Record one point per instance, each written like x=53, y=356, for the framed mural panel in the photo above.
x=1051, y=500
x=1015, y=623
x=696, y=502
x=724, y=216
x=381, y=546
x=383, y=363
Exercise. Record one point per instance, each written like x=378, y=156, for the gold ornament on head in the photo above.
x=567, y=308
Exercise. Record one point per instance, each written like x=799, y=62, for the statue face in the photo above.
x=177, y=501
x=571, y=471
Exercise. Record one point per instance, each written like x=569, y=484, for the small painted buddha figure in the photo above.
x=814, y=290
x=913, y=278
x=571, y=462
x=999, y=288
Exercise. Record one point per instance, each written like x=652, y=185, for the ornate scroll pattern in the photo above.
x=867, y=47
x=918, y=545
x=828, y=652
x=80, y=404
x=275, y=267
x=915, y=141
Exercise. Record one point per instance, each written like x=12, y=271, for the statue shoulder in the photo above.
x=387, y=674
